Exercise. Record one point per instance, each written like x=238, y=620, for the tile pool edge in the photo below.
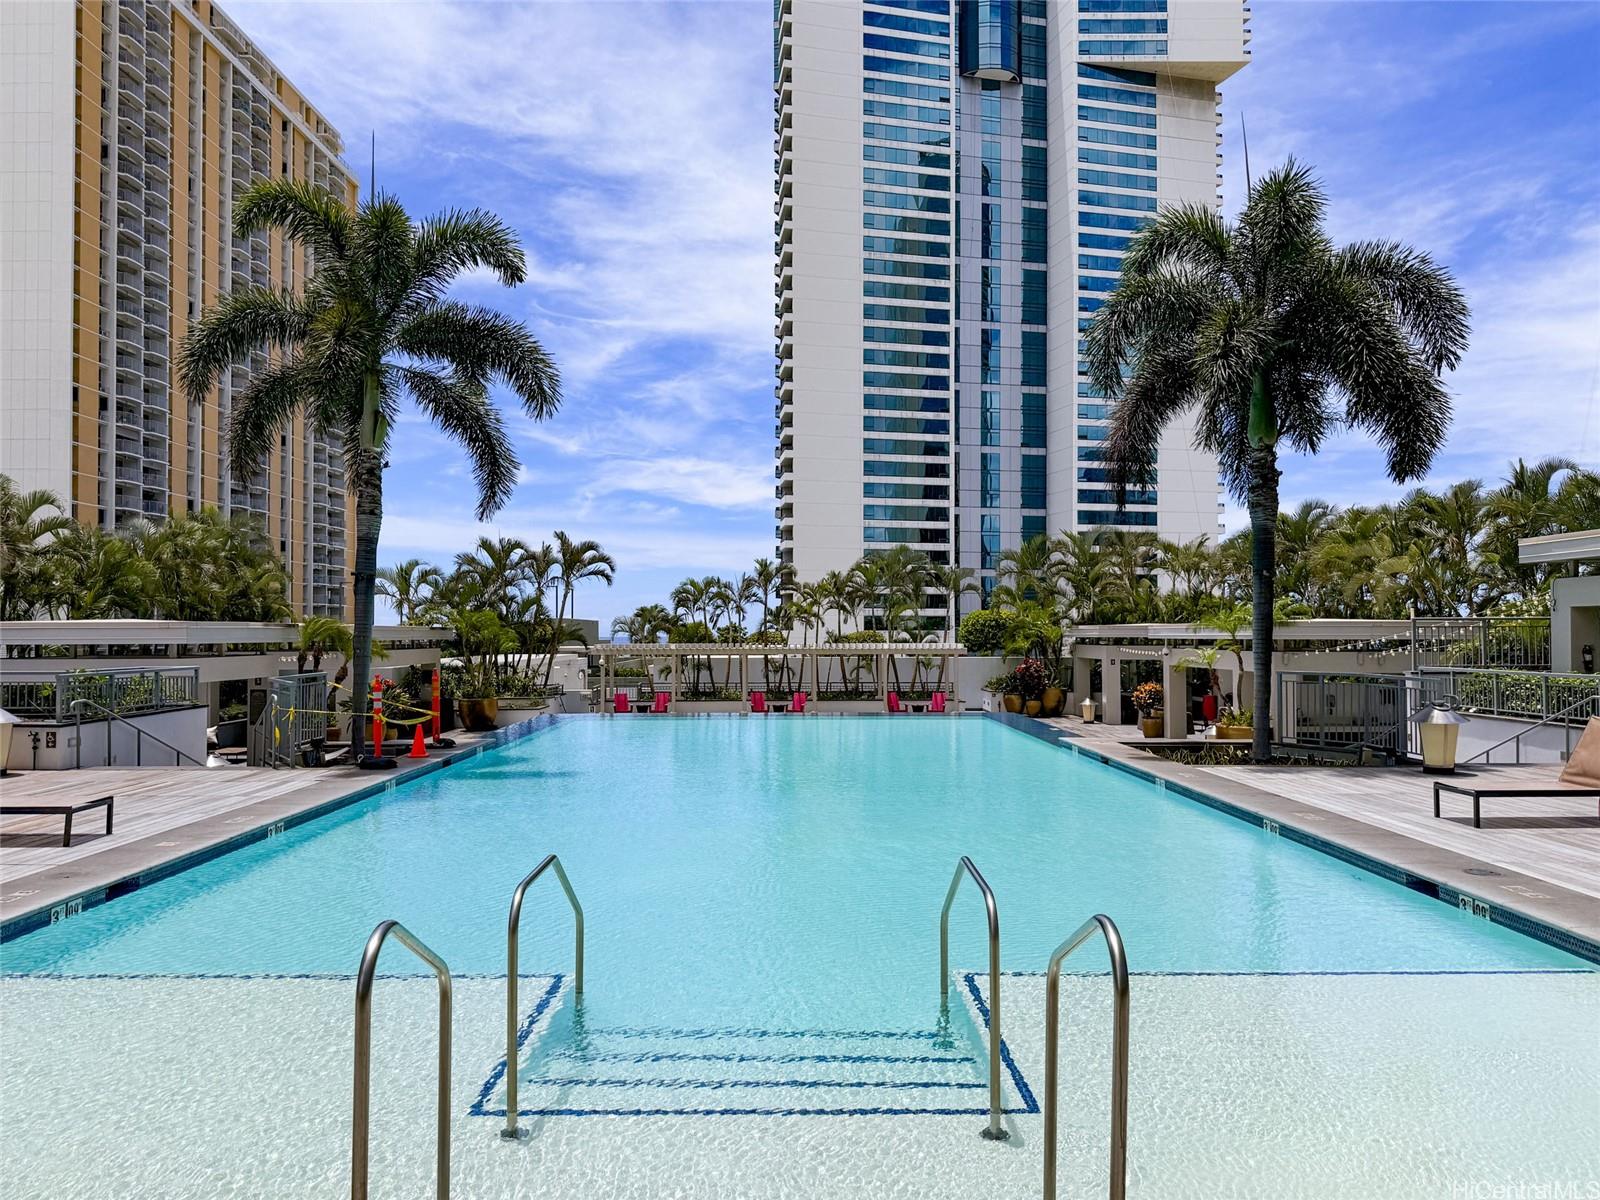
x=1258, y=807
x=59, y=907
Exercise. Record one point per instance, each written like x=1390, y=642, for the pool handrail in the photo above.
x=1117, y=1188
x=994, y=1131
x=362, y=1091
x=513, y=923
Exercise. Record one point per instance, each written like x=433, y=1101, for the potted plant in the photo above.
x=1025, y=687
x=479, y=708
x=233, y=725
x=1235, y=725
x=1147, y=699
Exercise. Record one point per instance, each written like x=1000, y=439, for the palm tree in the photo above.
x=769, y=578
x=1025, y=574
x=954, y=582
x=575, y=562
x=320, y=636
x=27, y=527
x=371, y=326
x=500, y=566
x=1081, y=574
x=98, y=575
x=1261, y=325
x=645, y=625
x=410, y=588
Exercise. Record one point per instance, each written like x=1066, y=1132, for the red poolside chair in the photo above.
x=620, y=705
x=662, y=699
x=758, y=702
x=894, y=702
x=798, y=704
x=937, y=703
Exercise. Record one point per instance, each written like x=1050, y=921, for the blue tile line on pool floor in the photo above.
x=523, y=1032
x=1021, y=1084
x=497, y=1073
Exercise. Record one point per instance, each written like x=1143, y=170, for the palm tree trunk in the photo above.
x=369, y=520
x=1263, y=501
x=367, y=478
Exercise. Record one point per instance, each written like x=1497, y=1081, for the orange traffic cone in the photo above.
x=418, y=750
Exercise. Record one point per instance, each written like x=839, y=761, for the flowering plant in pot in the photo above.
x=1025, y=687
x=1147, y=699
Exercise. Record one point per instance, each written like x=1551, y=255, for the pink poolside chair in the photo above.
x=662, y=699
x=758, y=702
x=798, y=704
x=620, y=705
x=937, y=703
x=894, y=702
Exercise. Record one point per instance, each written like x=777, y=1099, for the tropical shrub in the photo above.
x=986, y=631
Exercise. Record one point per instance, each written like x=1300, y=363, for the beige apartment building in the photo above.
x=127, y=131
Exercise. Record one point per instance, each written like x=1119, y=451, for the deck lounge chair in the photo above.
x=1580, y=777
x=662, y=699
x=798, y=704
x=758, y=702
x=894, y=702
x=620, y=705
x=937, y=703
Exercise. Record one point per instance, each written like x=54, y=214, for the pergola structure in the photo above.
x=790, y=668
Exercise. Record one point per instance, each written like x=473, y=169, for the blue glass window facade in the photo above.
x=908, y=280
x=991, y=39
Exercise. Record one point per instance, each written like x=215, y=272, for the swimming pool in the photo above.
x=762, y=898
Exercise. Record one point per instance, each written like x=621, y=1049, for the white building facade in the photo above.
x=956, y=182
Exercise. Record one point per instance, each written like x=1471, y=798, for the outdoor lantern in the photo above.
x=1087, y=709
x=7, y=724
x=1439, y=726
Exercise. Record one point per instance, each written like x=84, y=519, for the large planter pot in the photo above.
x=1013, y=703
x=1235, y=733
x=232, y=734
x=1054, y=701
x=1152, y=726
x=1033, y=708
x=478, y=715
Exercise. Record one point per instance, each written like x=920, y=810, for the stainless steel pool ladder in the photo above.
x=512, y=924
x=994, y=1130
x=1117, y=1188
x=359, y=1136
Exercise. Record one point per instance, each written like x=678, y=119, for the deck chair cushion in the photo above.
x=1583, y=766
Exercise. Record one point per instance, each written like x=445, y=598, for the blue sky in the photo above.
x=631, y=145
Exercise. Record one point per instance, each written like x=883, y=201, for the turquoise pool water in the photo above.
x=727, y=864
x=761, y=1017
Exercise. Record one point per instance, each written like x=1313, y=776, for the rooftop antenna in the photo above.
x=1246, y=139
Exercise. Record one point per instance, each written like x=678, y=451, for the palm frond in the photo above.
x=306, y=213
x=460, y=407
x=238, y=325
x=261, y=412
x=1427, y=302
x=459, y=240
x=1187, y=235
x=484, y=344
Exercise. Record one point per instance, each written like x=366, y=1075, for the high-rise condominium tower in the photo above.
x=956, y=183
x=128, y=130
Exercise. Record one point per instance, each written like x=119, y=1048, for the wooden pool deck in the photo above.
x=162, y=814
